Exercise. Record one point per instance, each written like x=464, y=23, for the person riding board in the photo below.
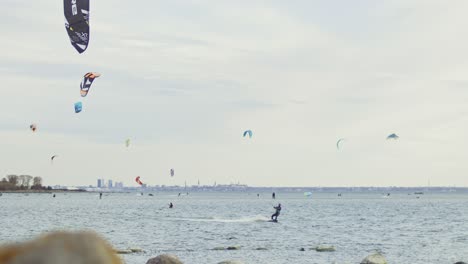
x=274, y=216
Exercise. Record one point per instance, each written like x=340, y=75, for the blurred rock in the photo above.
x=136, y=250
x=61, y=247
x=261, y=248
x=460, y=262
x=123, y=251
x=233, y=248
x=323, y=248
x=164, y=259
x=302, y=249
x=374, y=259
x=219, y=248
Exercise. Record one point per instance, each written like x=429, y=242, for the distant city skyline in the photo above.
x=183, y=80
x=108, y=183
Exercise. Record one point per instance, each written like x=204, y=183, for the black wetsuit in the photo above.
x=277, y=213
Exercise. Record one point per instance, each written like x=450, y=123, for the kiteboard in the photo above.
x=273, y=221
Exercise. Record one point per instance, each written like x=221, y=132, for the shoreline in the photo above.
x=42, y=191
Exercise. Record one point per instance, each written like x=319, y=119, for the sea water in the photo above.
x=405, y=229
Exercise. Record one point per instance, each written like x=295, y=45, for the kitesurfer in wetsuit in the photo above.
x=100, y=195
x=273, y=195
x=274, y=216
x=171, y=205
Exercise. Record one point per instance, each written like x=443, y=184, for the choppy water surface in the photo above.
x=432, y=229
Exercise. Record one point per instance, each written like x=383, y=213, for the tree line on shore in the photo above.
x=22, y=182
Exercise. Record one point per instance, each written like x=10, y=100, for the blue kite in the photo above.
x=248, y=132
x=78, y=107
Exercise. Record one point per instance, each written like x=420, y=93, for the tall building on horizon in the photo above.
x=99, y=183
x=109, y=184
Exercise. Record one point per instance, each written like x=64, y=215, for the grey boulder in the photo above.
x=374, y=259
x=164, y=259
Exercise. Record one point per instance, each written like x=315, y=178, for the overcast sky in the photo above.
x=184, y=78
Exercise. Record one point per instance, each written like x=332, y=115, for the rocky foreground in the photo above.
x=87, y=247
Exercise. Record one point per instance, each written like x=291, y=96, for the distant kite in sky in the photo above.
x=172, y=172
x=338, y=143
x=393, y=136
x=248, y=132
x=77, y=23
x=127, y=142
x=137, y=179
x=52, y=158
x=33, y=127
x=85, y=84
x=78, y=107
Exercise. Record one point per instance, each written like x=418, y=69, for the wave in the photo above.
x=250, y=219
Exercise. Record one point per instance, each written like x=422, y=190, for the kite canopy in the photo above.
x=172, y=172
x=77, y=23
x=137, y=179
x=393, y=136
x=33, y=127
x=338, y=143
x=127, y=142
x=88, y=79
x=248, y=132
x=78, y=107
x=53, y=157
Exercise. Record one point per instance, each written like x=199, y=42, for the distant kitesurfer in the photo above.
x=53, y=195
x=179, y=194
x=171, y=205
x=273, y=195
x=258, y=195
x=274, y=216
x=100, y=195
